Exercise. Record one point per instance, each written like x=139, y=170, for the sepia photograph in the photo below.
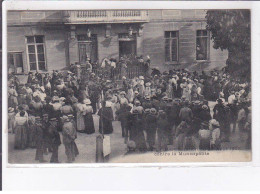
x=128, y=86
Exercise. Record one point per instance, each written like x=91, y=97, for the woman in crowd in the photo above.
x=88, y=118
x=21, y=127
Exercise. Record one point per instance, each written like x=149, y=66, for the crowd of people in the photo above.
x=171, y=106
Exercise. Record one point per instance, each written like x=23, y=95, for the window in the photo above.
x=171, y=46
x=202, y=45
x=15, y=62
x=36, y=52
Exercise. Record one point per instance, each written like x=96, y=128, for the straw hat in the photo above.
x=197, y=102
x=65, y=118
x=148, y=84
x=10, y=109
x=108, y=104
x=165, y=98
x=153, y=110
x=147, y=110
x=137, y=103
x=86, y=101
x=122, y=93
x=55, y=99
x=214, y=123
x=147, y=97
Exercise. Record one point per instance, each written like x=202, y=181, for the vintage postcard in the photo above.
x=128, y=85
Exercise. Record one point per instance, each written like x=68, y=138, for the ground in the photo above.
x=87, y=146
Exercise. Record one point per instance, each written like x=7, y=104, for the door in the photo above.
x=87, y=48
x=84, y=52
x=127, y=48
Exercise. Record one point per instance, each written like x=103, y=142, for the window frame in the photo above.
x=36, y=53
x=13, y=53
x=171, y=38
x=208, y=44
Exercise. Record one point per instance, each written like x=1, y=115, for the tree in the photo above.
x=230, y=29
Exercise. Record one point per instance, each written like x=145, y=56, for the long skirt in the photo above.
x=189, y=143
x=162, y=139
x=180, y=141
x=107, y=126
x=31, y=136
x=140, y=140
x=20, y=137
x=89, y=123
x=80, y=122
x=151, y=137
x=204, y=144
x=70, y=151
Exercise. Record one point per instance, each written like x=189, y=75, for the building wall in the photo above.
x=186, y=22
x=55, y=44
x=62, y=51
x=108, y=47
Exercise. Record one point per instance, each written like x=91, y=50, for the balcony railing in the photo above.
x=106, y=16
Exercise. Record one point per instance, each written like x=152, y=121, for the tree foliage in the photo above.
x=230, y=29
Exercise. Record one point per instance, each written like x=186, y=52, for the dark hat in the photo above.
x=20, y=107
x=220, y=100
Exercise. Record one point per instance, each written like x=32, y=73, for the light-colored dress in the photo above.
x=11, y=117
x=21, y=126
x=81, y=111
x=186, y=94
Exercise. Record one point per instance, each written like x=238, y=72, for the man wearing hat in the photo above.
x=163, y=131
x=147, y=103
x=124, y=115
x=137, y=127
x=204, y=114
x=46, y=140
x=220, y=115
x=186, y=113
x=54, y=140
x=163, y=103
x=151, y=120
x=40, y=139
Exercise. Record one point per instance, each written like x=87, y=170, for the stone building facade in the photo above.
x=50, y=40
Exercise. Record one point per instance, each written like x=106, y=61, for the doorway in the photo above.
x=87, y=48
x=127, y=45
